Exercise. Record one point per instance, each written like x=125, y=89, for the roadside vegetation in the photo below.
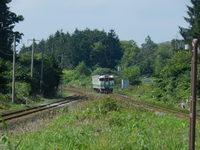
x=107, y=123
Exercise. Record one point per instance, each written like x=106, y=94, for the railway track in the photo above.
x=154, y=107
x=143, y=104
x=37, y=109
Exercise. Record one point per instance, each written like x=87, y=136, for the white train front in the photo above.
x=103, y=83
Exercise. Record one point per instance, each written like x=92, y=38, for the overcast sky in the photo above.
x=131, y=19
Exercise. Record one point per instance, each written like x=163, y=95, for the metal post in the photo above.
x=13, y=77
x=32, y=58
x=193, y=95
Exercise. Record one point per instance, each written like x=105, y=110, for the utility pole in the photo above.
x=32, y=58
x=62, y=66
x=193, y=95
x=32, y=55
x=13, y=75
x=42, y=70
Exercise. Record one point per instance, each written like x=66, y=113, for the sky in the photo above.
x=131, y=19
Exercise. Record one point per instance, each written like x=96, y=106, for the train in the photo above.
x=103, y=83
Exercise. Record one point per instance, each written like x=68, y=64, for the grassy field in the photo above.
x=104, y=123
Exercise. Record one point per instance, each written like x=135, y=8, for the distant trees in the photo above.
x=130, y=55
x=51, y=75
x=93, y=47
x=147, y=60
x=8, y=20
x=132, y=74
x=173, y=81
x=147, y=56
x=150, y=58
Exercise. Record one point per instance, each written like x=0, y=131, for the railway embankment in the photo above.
x=104, y=122
x=25, y=119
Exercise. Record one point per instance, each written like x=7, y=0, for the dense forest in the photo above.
x=86, y=52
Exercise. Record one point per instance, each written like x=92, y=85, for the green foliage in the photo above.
x=144, y=57
x=82, y=69
x=122, y=127
x=147, y=56
x=193, y=19
x=51, y=74
x=132, y=74
x=6, y=140
x=22, y=92
x=68, y=75
x=9, y=19
x=131, y=51
x=93, y=47
x=100, y=71
x=3, y=101
x=163, y=53
x=70, y=78
x=52, y=77
x=174, y=79
x=4, y=75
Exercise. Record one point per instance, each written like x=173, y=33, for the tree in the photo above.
x=113, y=52
x=4, y=75
x=8, y=20
x=173, y=82
x=51, y=75
x=163, y=53
x=131, y=51
x=146, y=57
x=132, y=74
x=193, y=31
x=82, y=69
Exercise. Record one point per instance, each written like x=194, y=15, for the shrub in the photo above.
x=132, y=74
x=22, y=91
x=103, y=71
x=82, y=69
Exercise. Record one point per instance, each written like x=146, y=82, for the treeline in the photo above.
x=27, y=87
x=95, y=48
x=168, y=63
x=94, y=51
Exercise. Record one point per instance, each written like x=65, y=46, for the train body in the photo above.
x=103, y=83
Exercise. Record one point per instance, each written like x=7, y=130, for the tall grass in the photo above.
x=108, y=124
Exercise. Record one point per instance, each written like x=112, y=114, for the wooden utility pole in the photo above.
x=13, y=76
x=62, y=66
x=193, y=95
x=32, y=58
x=32, y=55
x=42, y=70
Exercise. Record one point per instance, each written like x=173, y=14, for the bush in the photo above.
x=132, y=74
x=22, y=91
x=103, y=71
x=82, y=69
x=4, y=100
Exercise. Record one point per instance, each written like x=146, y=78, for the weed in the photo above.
x=6, y=140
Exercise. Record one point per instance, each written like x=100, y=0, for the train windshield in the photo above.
x=106, y=79
x=102, y=79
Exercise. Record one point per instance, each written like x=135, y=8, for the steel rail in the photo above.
x=140, y=103
x=25, y=112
